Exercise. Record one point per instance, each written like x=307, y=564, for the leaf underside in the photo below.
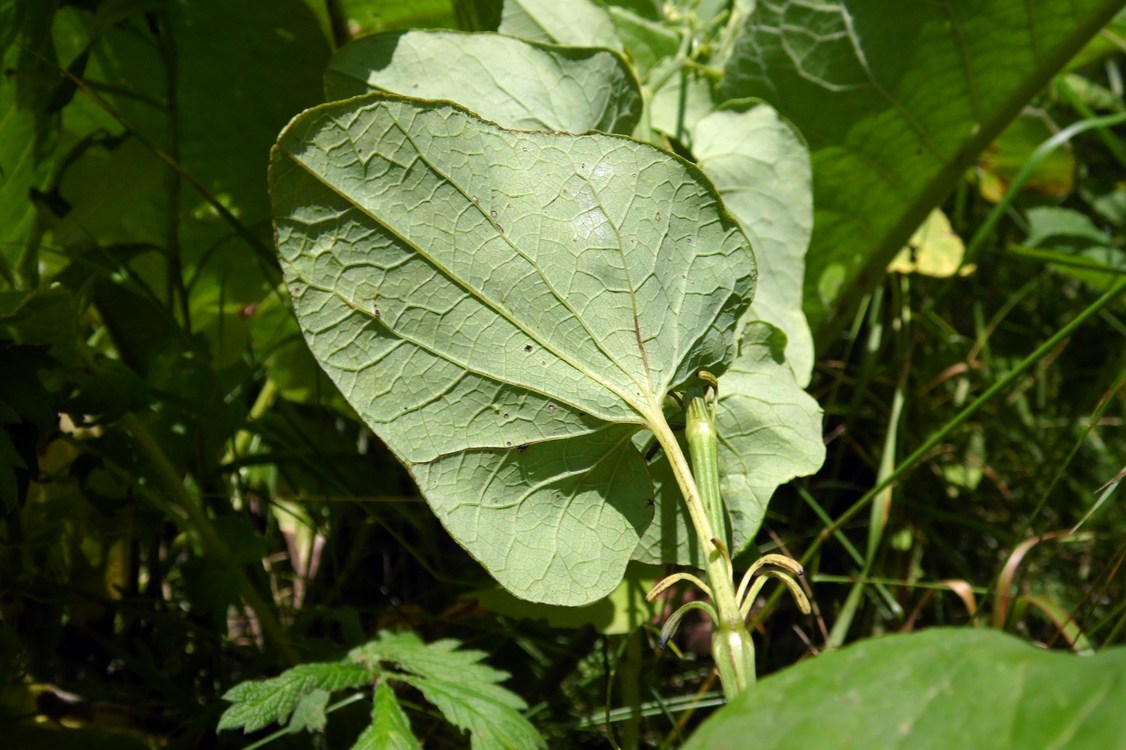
x=506, y=309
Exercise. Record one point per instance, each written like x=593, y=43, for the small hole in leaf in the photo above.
x=551, y=407
x=505, y=415
x=473, y=198
x=493, y=214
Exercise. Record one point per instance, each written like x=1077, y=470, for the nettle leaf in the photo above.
x=760, y=165
x=463, y=689
x=390, y=729
x=514, y=83
x=936, y=689
x=259, y=703
x=505, y=309
x=769, y=433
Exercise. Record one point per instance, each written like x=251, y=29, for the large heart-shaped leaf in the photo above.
x=936, y=689
x=506, y=309
x=895, y=107
x=514, y=83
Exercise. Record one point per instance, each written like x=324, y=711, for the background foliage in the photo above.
x=187, y=502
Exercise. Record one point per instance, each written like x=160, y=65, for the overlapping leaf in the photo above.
x=770, y=433
x=514, y=83
x=506, y=309
x=760, y=166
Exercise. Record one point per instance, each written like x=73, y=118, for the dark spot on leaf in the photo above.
x=505, y=415
x=296, y=291
x=528, y=348
x=377, y=313
x=650, y=504
x=522, y=447
x=551, y=407
x=508, y=444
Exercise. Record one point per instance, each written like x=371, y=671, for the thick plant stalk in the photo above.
x=732, y=648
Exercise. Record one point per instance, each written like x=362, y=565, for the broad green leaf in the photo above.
x=936, y=689
x=895, y=107
x=581, y=23
x=647, y=41
x=760, y=165
x=390, y=729
x=515, y=83
x=770, y=433
x=506, y=309
x=259, y=703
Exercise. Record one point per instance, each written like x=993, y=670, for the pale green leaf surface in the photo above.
x=770, y=432
x=515, y=83
x=309, y=713
x=895, y=107
x=581, y=23
x=390, y=729
x=505, y=309
x=256, y=704
x=934, y=690
x=647, y=41
x=760, y=165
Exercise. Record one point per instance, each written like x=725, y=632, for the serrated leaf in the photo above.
x=454, y=679
x=438, y=659
x=390, y=729
x=577, y=22
x=895, y=107
x=937, y=689
x=506, y=309
x=769, y=433
x=760, y=165
x=513, y=82
x=259, y=703
x=474, y=707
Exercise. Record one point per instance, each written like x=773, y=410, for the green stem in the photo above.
x=732, y=648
